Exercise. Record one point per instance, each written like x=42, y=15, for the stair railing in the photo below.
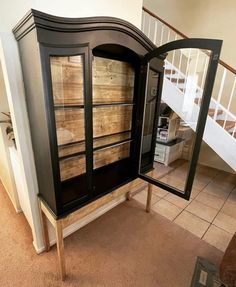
x=224, y=93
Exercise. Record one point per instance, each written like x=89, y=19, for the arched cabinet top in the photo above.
x=48, y=23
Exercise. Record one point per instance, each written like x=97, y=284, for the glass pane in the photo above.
x=68, y=80
x=113, y=84
x=169, y=132
x=69, y=125
x=111, y=154
x=68, y=95
x=113, y=81
x=72, y=167
x=149, y=117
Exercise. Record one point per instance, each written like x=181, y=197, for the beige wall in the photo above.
x=198, y=18
x=209, y=158
x=3, y=97
x=6, y=174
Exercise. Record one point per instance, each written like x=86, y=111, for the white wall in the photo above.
x=10, y=13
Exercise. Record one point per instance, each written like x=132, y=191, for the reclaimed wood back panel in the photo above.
x=72, y=167
x=68, y=80
x=113, y=81
x=112, y=119
x=69, y=125
x=109, y=155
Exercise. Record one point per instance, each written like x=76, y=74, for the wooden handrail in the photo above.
x=231, y=69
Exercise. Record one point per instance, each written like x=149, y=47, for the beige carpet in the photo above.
x=125, y=247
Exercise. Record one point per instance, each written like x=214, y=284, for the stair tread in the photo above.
x=175, y=80
x=169, y=71
x=228, y=125
x=211, y=112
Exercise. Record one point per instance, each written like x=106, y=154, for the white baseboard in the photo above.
x=84, y=221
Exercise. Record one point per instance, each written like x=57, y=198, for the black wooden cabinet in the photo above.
x=86, y=85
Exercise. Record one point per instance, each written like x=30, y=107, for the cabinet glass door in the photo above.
x=67, y=76
x=176, y=107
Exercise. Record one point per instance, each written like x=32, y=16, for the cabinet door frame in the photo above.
x=206, y=44
x=46, y=51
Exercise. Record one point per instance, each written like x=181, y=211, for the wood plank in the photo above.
x=60, y=248
x=71, y=149
x=69, y=125
x=112, y=94
x=80, y=147
x=111, y=154
x=44, y=228
x=107, y=120
x=109, y=139
x=110, y=120
x=113, y=81
x=67, y=80
x=48, y=214
x=89, y=208
x=72, y=167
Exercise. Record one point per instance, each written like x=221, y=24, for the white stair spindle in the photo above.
x=186, y=71
x=143, y=20
x=232, y=94
x=195, y=72
x=204, y=72
x=168, y=37
x=180, y=63
x=155, y=33
x=162, y=32
x=229, y=103
x=149, y=27
x=220, y=93
x=173, y=61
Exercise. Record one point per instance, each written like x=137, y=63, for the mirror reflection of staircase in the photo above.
x=182, y=68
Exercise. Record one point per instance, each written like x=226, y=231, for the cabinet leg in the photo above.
x=149, y=198
x=128, y=195
x=60, y=249
x=45, y=232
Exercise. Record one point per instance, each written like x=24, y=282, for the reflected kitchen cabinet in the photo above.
x=94, y=90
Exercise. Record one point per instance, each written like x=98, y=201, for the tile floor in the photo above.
x=211, y=211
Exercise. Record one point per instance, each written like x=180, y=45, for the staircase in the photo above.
x=185, y=72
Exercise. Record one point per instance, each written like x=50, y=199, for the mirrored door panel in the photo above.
x=175, y=112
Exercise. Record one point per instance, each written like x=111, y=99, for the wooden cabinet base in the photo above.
x=60, y=224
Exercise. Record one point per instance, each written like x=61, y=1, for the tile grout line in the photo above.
x=184, y=209
x=222, y=229
x=216, y=216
